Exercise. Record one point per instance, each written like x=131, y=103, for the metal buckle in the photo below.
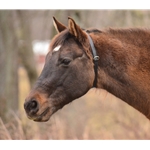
x=96, y=58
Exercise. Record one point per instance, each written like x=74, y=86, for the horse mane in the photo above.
x=129, y=32
x=133, y=36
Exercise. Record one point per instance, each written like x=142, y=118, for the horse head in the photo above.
x=68, y=72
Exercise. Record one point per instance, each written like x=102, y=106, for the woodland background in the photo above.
x=97, y=115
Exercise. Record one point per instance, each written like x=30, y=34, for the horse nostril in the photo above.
x=31, y=106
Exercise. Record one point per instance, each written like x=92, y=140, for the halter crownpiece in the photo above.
x=95, y=59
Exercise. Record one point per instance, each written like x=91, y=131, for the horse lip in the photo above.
x=39, y=118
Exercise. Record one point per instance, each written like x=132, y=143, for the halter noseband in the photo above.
x=95, y=59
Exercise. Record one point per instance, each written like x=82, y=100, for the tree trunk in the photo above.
x=25, y=46
x=8, y=64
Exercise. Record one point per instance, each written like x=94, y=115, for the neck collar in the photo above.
x=95, y=59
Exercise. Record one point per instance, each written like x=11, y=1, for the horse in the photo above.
x=116, y=60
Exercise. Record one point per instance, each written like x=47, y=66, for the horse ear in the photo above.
x=58, y=26
x=75, y=30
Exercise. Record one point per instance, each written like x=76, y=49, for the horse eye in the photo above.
x=66, y=61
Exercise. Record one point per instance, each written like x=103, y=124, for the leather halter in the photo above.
x=95, y=59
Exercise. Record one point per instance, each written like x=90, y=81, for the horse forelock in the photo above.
x=60, y=39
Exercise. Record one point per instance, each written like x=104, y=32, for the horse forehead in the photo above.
x=57, y=48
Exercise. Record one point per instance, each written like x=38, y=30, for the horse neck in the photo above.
x=119, y=73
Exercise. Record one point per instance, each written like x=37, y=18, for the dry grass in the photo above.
x=97, y=115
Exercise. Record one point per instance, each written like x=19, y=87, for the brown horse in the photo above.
x=122, y=68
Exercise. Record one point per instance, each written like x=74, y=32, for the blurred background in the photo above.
x=24, y=39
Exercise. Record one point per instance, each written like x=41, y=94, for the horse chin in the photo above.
x=45, y=115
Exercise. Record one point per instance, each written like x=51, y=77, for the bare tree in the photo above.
x=8, y=64
x=25, y=45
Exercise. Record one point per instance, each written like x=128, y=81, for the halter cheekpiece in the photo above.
x=95, y=59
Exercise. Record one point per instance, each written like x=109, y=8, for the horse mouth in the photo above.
x=43, y=117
